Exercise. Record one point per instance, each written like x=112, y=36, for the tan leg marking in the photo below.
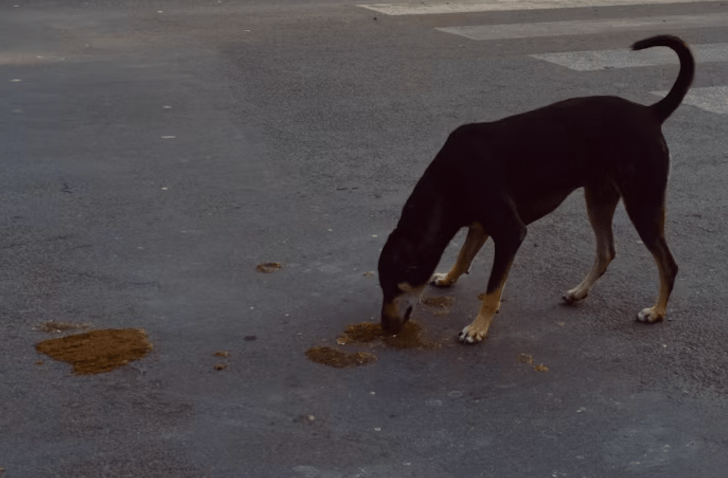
x=478, y=330
x=473, y=242
x=657, y=312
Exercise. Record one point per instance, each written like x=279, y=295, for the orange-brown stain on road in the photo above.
x=98, y=351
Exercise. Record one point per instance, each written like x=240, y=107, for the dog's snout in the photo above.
x=391, y=322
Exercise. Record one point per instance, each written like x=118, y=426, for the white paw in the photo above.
x=649, y=316
x=469, y=336
x=439, y=279
x=573, y=296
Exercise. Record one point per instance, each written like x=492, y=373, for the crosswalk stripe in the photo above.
x=713, y=99
x=469, y=6
x=626, y=58
x=708, y=98
x=584, y=27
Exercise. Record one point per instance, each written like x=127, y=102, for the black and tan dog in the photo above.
x=495, y=178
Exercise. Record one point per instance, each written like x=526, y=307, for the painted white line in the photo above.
x=626, y=58
x=710, y=98
x=585, y=27
x=468, y=6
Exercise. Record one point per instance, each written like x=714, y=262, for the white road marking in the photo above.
x=586, y=27
x=713, y=98
x=626, y=58
x=469, y=6
x=709, y=98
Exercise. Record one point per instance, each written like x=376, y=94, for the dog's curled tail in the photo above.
x=666, y=106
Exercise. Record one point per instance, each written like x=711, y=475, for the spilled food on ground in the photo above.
x=268, y=267
x=440, y=302
x=98, y=351
x=370, y=334
x=338, y=358
x=528, y=360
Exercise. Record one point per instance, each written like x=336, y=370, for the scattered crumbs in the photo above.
x=525, y=358
x=369, y=274
x=338, y=358
x=440, y=302
x=361, y=333
x=268, y=267
x=223, y=353
x=411, y=336
x=541, y=368
x=560, y=324
x=220, y=366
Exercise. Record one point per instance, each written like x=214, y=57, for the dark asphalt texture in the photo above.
x=156, y=152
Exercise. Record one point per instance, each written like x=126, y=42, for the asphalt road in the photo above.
x=153, y=153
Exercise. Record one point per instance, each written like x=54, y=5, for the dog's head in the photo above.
x=402, y=277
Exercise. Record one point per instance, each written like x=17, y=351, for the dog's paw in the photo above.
x=469, y=336
x=650, y=316
x=439, y=279
x=573, y=296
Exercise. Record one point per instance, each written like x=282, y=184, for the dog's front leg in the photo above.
x=473, y=243
x=507, y=242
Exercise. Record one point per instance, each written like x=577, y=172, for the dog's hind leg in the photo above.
x=648, y=218
x=508, y=239
x=473, y=243
x=601, y=201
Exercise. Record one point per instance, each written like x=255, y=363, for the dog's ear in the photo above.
x=413, y=249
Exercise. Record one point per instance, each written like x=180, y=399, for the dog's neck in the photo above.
x=427, y=228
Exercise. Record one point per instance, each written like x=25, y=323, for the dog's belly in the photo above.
x=532, y=208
